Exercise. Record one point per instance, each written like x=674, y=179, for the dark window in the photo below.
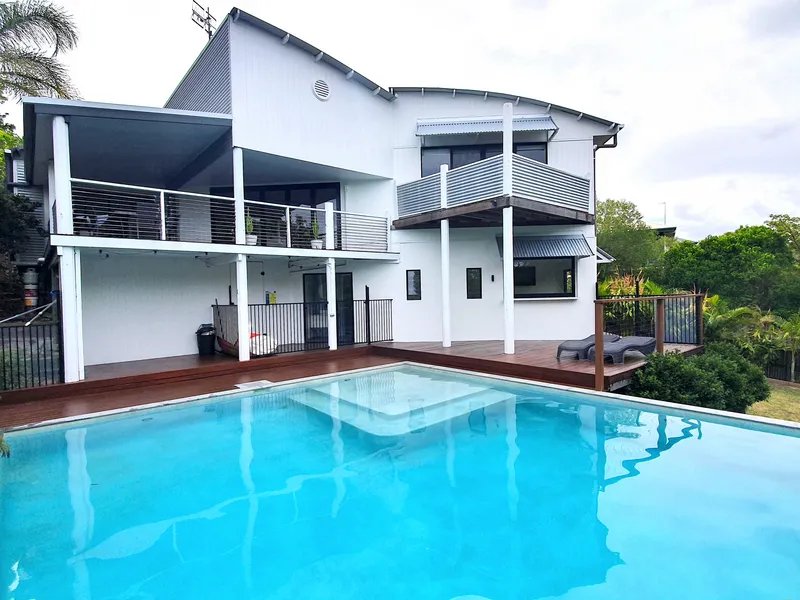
x=544, y=278
x=433, y=159
x=474, y=284
x=459, y=156
x=413, y=284
x=524, y=273
x=537, y=152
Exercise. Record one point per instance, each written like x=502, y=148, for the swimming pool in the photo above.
x=402, y=482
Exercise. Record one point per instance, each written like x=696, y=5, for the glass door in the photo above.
x=315, y=296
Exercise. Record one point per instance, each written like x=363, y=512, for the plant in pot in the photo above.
x=251, y=239
x=316, y=241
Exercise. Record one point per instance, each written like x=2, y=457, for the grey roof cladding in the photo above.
x=554, y=246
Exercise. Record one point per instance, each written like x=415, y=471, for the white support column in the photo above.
x=242, y=307
x=71, y=324
x=238, y=194
x=508, y=280
x=508, y=146
x=330, y=234
x=79, y=312
x=61, y=175
x=445, y=238
x=330, y=280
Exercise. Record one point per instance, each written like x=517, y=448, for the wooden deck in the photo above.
x=123, y=385
x=535, y=360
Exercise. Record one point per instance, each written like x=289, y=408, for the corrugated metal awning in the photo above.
x=483, y=124
x=554, y=246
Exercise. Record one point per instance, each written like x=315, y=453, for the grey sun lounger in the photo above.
x=616, y=350
x=582, y=347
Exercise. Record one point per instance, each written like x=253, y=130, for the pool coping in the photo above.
x=676, y=409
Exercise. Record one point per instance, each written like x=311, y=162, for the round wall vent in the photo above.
x=321, y=89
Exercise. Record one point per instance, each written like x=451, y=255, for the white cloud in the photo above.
x=707, y=89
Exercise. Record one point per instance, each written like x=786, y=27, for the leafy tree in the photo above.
x=622, y=232
x=790, y=334
x=745, y=267
x=789, y=228
x=8, y=140
x=33, y=33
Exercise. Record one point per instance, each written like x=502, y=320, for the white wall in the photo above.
x=275, y=110
x=138, y=307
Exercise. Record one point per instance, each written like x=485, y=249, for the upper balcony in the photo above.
x=475, y=194
x=111, y=210
x=139, y=178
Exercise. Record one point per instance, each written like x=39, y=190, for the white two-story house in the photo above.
x=276, y=178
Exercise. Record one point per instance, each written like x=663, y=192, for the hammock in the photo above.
x=227, y=326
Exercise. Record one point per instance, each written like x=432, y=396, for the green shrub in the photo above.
x=721, y=379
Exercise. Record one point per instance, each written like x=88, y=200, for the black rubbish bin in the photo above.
x=205, y=339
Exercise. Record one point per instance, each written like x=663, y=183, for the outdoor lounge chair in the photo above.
x=582, y=347
x=616, y=350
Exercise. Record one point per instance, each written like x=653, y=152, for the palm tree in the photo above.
x=791, y=339
x=32, y=35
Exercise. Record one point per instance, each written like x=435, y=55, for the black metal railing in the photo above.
x=780, y=367
x=637, y=316
x=298, y=326
x=30, y=354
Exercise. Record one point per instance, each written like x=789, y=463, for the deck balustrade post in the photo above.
x=288, y=228
x=508, y=280
x=242, y=307
x=698, y=315
x=330, y=234
x=660, y=325
x=599, y=346
x=163, y=216
x=445, y=254
x=238, y=195
x=367, y=323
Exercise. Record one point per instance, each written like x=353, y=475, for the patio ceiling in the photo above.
x=119, y=143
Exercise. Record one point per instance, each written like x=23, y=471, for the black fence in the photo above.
x=30, y=354
x=298, y=326
x=636, y=315
x=781, y=367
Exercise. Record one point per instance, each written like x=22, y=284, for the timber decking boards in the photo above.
x=61, y=405
x=154, y=365
x=535, y=360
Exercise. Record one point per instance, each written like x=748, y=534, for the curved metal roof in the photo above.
x=512, y=97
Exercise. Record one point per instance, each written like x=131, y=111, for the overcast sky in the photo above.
x=708, y=90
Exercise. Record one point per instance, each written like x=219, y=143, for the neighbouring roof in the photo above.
x=237, y=14
x=604, y=257
x=553, y=246
x=483, y=124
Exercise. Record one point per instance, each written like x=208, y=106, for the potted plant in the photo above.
x=316, y=241
x=251, y=239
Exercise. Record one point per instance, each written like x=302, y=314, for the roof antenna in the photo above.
x=202, y=18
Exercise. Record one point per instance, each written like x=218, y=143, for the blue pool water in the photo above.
x=409, y=483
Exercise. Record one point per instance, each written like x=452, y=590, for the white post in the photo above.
x=508, y=280
x=61, y=175
x=71, y=326
x=445, y=238
x=79, y=313
x=242, y=307
x=330, y=280
x=508, y=147
x=288, y=228
x=330, y=234
x=238, y=193
x=51, y=195
x=163, y=216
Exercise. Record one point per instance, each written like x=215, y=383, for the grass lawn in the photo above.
x=783, y=402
